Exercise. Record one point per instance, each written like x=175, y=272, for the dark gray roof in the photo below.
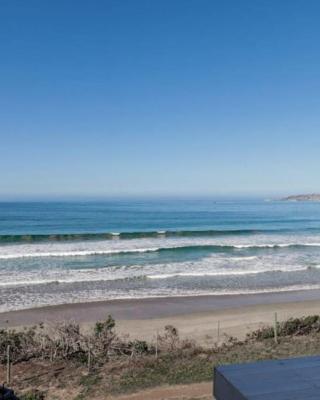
x=289, y=379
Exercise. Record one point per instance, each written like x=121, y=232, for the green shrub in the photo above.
x=291, y=327
x=33, y=395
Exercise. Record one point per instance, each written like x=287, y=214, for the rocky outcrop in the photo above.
x=303, y=197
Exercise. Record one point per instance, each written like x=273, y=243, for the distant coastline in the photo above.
x=303, y=197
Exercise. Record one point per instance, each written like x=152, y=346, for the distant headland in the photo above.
x=303, y=197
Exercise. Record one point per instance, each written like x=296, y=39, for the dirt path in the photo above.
x=196, y=391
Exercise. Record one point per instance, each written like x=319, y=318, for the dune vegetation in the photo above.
x=60, y=361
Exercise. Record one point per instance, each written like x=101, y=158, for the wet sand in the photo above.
x=195, y=317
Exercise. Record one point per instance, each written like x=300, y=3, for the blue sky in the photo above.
x=170, y=97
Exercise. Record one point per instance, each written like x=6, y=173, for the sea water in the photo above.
x=64, y=252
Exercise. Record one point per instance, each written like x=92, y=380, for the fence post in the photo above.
x=218, y=332
x=42, y=348
x=89, y=357
x=8, y=365
x=275, y=328
x=157, y=334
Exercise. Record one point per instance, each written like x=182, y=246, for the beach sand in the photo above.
x=195, y=317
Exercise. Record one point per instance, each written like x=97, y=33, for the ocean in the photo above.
x=66, y=252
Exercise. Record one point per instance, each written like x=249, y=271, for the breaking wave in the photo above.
x=170, y=248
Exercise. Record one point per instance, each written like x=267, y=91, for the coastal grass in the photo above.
x=123, y=366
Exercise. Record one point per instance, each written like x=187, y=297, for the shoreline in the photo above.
x=195, y=317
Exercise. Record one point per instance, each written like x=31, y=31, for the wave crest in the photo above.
x=213, y=248
x=67, y=237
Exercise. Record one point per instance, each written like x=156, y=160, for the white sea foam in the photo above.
x=212, y=266
x=235, y=263
x=275, y=245
x=98, y=295
x=101, y=248
x=224, y=273
x=77, y=253
x=36, y=282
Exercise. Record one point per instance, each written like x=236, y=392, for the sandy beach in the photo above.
x=195, y=317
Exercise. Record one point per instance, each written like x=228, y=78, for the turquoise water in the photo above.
x=53, y=253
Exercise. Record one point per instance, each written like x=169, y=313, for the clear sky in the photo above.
x=146, y=97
